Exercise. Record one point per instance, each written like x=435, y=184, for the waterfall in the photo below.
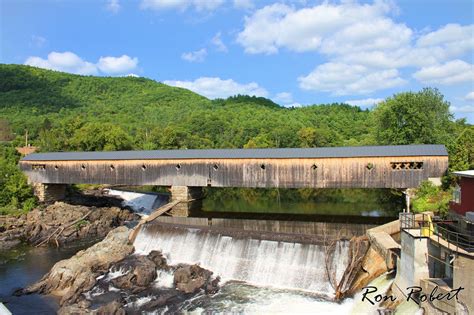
x=260, y=262
x=141, y=203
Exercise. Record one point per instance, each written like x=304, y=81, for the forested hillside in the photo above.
x=64, y=112
x=70, y=112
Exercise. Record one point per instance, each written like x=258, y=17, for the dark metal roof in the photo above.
x=333, y=152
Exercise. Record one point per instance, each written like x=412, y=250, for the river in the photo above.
x=258, y=276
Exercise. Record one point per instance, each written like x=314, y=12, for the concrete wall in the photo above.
x=413, y=263
x=321, y=229
x=437, y=307
x=464, y=277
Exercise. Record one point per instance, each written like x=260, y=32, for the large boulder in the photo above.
x=192, y=278
x=140, y=272
x=71, y=277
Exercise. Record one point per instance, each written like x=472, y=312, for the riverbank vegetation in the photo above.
x=65, y=112
x=16, y=196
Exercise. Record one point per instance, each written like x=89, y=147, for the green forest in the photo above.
x=66, y=112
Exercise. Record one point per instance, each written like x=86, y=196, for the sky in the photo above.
x=296, y=53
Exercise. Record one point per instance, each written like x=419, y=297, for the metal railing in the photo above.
x=455, y=239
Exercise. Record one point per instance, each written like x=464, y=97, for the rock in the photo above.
x=6, y=244
x=142, y=273
x=73, y=310
x=190, y=279
x=112, y=308
x=67, y=222
x=159, y=260
x=71, y=277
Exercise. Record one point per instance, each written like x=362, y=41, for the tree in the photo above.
x=5, y=131
x=15, y=193
x=260, y=141
x=411, y=118
x=310, y=137
x=101, y=137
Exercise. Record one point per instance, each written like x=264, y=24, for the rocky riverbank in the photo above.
x=108, y=279
x=79, y=218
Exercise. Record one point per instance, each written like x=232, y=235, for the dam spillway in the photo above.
x=260, y=262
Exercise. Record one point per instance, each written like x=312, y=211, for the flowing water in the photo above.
x=258, y=276
x=259, y=262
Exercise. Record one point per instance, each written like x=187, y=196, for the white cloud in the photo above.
x=217, y=41
x=455, y=71
x=450, y=36
x=72, y=63
x=364, y=37
x=463, y=109
x=469, y=96
x=38, y=41
x=243, y=4
x=368, y=102
x=283, y=97
x=213, y=87
x=113, y=6
x=326, y=27
x=344, y=79
x=181, y=5
x=66, y=61
x=114, y=65
x=195, y=56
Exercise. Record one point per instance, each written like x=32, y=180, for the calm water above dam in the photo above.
x=266, y=282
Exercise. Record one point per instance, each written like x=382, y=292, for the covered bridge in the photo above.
x=401, y=166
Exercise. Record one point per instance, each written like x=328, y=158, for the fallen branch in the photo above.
x=61, y=230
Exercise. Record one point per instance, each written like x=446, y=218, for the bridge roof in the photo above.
x=283, y=153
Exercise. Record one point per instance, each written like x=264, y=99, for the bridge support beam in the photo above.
x=191, y=198
x=49, y=193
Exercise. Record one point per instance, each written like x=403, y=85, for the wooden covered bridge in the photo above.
x=337, y=167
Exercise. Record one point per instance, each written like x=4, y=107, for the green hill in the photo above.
x=62, y=111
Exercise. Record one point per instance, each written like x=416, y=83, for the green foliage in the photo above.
x=409, y=118
x=16, y=196
x=65, y=112
x=79, y=224
x=431, y=198
x=101, y=137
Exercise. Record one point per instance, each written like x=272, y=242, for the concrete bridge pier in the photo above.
x=191, y=198
x=49, y=193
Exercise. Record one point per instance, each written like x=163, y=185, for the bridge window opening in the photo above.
x=215, y=167
x=262, y=166
x=83, y=166
x=38, y=167
x=178, y=167
x=406, y=165
x=112, y=168
x=314, y=167
x=370, y=166
x=143, y=167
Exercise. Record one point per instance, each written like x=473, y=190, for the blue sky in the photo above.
x=294, y=52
